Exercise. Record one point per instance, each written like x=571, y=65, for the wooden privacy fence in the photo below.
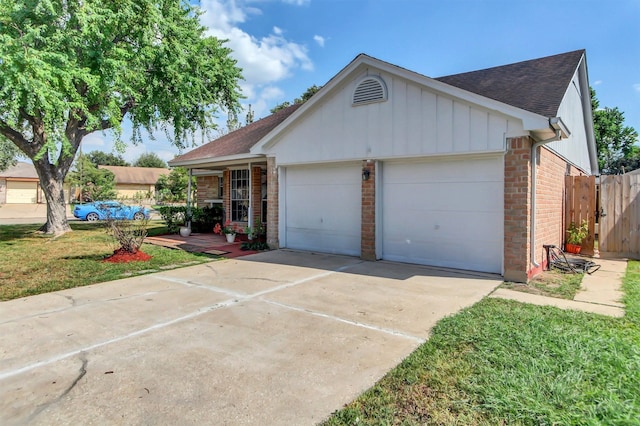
x=580, y=204
x=619, y=233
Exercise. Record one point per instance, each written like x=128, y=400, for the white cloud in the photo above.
x=264, y=60
x=297, y=2
x=95, y=139
x=597, y=82
x=636, y=87
x=319, y=39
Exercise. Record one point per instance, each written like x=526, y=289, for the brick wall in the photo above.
x=256, y=193
x=368, y=214
x=273, y=215
x=517, y=178
x=550, y=193
x=550, y=190
x=226, y=192
x=207, y=189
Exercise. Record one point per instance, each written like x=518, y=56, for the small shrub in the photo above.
x=129, y=234
x=173, y=216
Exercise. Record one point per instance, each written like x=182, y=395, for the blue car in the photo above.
x=101, y=210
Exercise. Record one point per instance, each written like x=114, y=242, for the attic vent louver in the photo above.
x=370, y=89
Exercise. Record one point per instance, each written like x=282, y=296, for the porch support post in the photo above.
x=189, y=199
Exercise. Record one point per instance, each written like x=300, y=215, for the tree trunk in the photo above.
x=52, y=181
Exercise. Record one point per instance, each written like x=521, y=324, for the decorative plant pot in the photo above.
x=231, y=238
x=184, y=231
x=572, y=248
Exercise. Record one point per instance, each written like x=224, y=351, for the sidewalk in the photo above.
x=13, y=214
x=600, y=293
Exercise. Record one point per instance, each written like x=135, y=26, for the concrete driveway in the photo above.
x=276, y=338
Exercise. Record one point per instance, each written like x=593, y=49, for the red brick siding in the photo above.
x=207, y=189
x=272, y=203
x=256, y=193
x=368, y=214
x=550, y=190
x=226, y=191
x=517, y=178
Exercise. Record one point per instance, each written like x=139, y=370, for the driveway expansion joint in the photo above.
x=346, y=321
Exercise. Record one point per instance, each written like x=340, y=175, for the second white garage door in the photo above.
x=444, y=213
x=19, y=192
x=322, y=208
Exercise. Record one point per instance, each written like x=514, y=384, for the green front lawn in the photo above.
x=503, y=362
x=33, y=263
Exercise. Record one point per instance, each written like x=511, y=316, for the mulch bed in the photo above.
x=123, y=256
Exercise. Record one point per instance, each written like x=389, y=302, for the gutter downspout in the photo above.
x=534, y=161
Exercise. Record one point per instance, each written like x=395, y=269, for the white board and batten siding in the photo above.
x=573, y=147
x=441, y=175
x=414, y=121
x=321, y=208
x=444, y=213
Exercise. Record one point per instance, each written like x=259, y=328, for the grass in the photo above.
x=550, y=283
x=34, y=263
x=503, y=362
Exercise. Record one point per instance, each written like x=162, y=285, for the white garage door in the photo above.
x=21, y=192
x=444, y=213
x=322, y=208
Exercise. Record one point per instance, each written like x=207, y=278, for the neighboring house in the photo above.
x=386, y=163
x=136, y=182
x=20, y=184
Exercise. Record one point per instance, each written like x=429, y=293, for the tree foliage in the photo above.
x=150, y=159
x=99, y=158
x=302, y=99
x=173, y=187
x=615, y=141
x=72, y=67
x=94, y=184
x=8, y=154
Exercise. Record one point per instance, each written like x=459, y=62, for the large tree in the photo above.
x=615, y=141
x=302, y=99
x=94, y=184
x=150, y=159
x=8, y=154
x=72, y=67
x=99, y=158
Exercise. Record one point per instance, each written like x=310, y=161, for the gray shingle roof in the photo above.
x=239, y=141
x=21, y=170
x=537, y=85
x=136, y=175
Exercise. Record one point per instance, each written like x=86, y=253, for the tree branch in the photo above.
x=106, y=124
x=17, y=138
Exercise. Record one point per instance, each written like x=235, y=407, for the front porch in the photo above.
x=212, y=244
x=247, y=193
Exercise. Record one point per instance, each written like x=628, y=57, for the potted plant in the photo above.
x=185, y=230
x=229, y=230
x=576, y=234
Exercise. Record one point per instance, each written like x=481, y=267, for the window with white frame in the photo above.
x=239, y=195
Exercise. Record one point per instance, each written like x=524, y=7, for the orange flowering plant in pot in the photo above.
x=576, y=234
x=229, y=229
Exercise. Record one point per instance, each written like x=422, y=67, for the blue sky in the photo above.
x=285, y=46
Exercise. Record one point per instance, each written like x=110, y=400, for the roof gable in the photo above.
x=536, y=85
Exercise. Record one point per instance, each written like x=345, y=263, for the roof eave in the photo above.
x=216, y=161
